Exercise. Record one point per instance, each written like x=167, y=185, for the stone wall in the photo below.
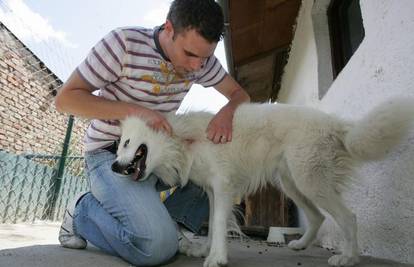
x=29, y=122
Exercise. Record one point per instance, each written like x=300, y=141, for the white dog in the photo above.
x=312, y=155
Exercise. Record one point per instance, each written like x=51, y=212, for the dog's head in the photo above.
x=142, y=151
x=139, y=150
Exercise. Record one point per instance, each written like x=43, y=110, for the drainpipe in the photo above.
x=227, y=36
x=61, y=170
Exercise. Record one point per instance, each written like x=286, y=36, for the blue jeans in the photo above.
x=127, y=218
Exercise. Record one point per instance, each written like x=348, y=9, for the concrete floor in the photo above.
x=36, y=245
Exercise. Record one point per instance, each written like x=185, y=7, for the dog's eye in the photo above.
x=126, y=143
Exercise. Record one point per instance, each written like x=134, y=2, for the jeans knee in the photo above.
x=155, y=249
x=163, y=248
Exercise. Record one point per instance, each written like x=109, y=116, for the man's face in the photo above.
x=188, y=51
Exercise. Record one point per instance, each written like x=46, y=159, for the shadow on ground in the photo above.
x=246, y=254
x=36, y=245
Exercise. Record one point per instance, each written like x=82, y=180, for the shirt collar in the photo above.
x=157, y=31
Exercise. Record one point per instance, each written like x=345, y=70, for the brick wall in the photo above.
x=29, y=122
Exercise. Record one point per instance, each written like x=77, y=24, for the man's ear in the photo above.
x=169, y=28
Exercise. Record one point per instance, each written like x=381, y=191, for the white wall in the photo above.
x=383, y=66
x=300, y=80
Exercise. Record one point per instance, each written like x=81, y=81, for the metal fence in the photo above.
x=35, y=186
x=38, y=187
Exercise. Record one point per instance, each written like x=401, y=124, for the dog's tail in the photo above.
x=233, y=227
x=381, y=129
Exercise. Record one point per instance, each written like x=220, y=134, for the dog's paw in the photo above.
x=215, y=260
x=342, y=260
x=297, y=245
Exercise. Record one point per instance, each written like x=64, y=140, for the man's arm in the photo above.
x=76, y=98
x=220, y=127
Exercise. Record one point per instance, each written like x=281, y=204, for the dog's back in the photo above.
x=263, y=134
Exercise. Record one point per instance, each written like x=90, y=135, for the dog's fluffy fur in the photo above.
x=311, y=154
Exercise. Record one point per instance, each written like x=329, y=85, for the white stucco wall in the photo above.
x=300, y=80
x=383, y=66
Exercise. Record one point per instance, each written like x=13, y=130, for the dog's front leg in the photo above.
x=205, y=248
x=195, y=249
x=222, y=203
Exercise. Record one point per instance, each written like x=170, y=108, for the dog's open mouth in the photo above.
x=136, y=167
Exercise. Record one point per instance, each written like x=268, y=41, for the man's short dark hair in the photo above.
x=204, y=16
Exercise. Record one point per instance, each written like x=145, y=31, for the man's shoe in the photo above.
x=67, y=236
x=192, y=249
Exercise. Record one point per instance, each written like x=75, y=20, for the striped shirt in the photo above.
x=129, y=65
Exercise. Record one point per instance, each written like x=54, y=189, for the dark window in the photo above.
x=346, y=30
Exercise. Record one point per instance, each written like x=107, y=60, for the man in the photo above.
x=143, y=72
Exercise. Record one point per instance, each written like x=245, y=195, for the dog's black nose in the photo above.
x=116, y=167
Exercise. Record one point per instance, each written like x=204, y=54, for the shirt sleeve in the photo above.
x=212, y=73
x=104, y=63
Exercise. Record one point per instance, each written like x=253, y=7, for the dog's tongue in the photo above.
x=140, y=158
x=136, y=176
x=139, y=172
